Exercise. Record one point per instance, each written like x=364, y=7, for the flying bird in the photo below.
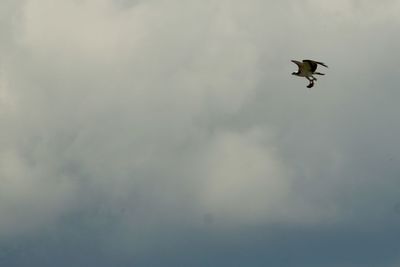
x=307, y=69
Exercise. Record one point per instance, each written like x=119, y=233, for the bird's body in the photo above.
x=307, y=68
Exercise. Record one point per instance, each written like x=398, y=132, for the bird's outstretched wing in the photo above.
x=313, y=64
x=298, y=63
x=310, y=65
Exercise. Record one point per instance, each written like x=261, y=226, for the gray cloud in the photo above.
x=155, y=129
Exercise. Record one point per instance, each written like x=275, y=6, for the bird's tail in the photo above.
x=319, y=73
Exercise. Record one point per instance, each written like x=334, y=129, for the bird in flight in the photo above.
x=307, y=69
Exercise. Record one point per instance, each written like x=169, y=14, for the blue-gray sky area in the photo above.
x=172, y=133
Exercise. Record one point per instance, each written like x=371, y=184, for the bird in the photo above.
x=307, y=68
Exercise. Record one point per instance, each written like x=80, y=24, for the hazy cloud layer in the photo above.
x=171, y=133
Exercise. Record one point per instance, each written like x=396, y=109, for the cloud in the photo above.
x=173, y=120
x=111, y=98
x=244, y=180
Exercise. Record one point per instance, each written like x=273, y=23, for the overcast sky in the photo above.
x=172, y=133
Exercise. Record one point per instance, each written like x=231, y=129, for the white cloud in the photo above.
x=244, y=181
x=114, y=93
x=175, y=109
x=32, y=193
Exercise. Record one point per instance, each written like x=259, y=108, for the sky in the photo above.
x=172, y=133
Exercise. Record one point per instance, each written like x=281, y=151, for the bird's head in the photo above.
x=294, y=73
